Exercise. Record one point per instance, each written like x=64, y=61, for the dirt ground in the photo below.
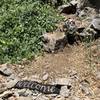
x=84, y=59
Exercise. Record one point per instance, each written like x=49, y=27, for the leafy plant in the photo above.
x=22, y=23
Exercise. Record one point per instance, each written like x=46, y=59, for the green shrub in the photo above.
x=56, y=3
x=22, y=23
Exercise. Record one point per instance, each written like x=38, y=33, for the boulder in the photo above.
x=68, y=8
x=4, y=70
x=54, y=41
x=65, y=91
x=96, y=23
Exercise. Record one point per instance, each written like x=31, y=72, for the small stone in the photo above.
x=63, y=81
x=25, y=98
x=45, y=76
x=42, y=97
x=75, y=98
x=74, y=2
x=21, y=74
x=98, y=75
x=21, y=66
x=70, y=26
x=65, y=92
x=59, y=98
x=85, y=87
x=35, y=78
x=11, y=83
x=5, y=70
x=6, y=94
x=28, y=93
x=2, y=87
x=21, y=92
x=73, y=74
x=12, y=98
x=52, y=95
x=96, y=23
x=12, y=78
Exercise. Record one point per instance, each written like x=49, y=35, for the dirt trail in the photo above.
x=71, y=58
x=81, y=60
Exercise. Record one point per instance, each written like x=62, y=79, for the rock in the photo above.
x=45, y=76
x=4, y=70
x=35, y=78
x=70, y=26
x=21, y=74
x=73, y=74
x=42, y=97
x=63, y=81
x=85, y=87
x=11, y=83
x=82, y=13
x=68, y=8
x=75, y=98
x=54, y=41
x=12, y=77
x=24, y=98
x=65, y=92
x=89, y=3
x=21, y=92
x=96, y=23
x=59, y=98
x=86, y=13
x=2, y=89
x=2, y=84
x=74, y=2
x=35, y=93
x=12, y=98
x=98, y=75
x=88, y=32
x=28, y=93
x=6, y=94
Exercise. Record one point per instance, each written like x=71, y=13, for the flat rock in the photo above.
x=45, y=76
x=11, y=83
x=34, y=78
x=75, y=98
x=70, y=25
x=6, y=94
x=4, y=70
x=85, y=87
x=98, y=75
x=54, y=41
x=59, y=98
x=96, y=23
x=21, y=92
x=63, y=81
x=25, y=98
x=69, y=8
x=65, y=92
x=42, y=97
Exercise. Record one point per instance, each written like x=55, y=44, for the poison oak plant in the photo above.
x=22, y=23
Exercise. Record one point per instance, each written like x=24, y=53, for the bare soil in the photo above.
x=82, y=59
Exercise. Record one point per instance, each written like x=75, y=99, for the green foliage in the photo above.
x=55, y=3
x=22, y=23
